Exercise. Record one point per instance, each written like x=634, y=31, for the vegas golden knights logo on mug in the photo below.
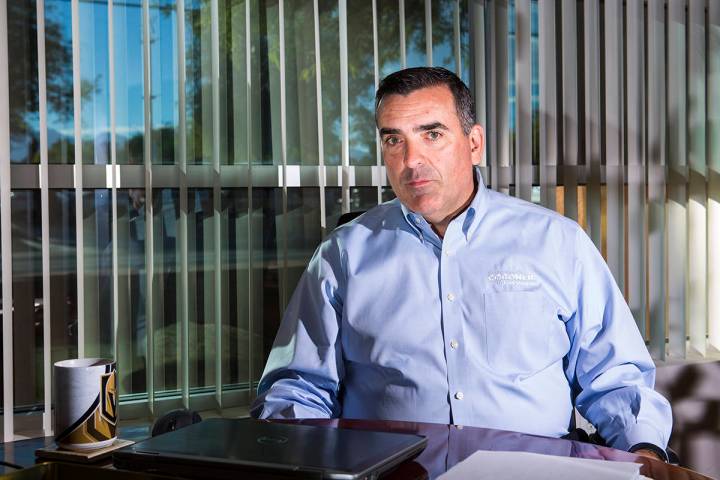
x=96, y=425
x=108, y=398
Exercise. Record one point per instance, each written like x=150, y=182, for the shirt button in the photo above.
x=448, y=252
x=451, y=297
x=459, y=395
x=454, y=344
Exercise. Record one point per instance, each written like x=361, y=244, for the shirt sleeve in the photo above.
x=304, y=370
x=609, y=368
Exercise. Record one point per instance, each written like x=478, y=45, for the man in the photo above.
x=457, y=304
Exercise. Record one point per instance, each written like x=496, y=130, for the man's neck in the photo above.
x=441, y=227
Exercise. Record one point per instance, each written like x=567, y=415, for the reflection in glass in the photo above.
x=263, y=250
x=465, y=41
x=95, y=82
x=265, y=48
x=443, y=18
x=512, y=94
x=330, y=65
x=266, y=258
x=233, y=83
x=388, y=19
x=304, y=233
x=27, y=297
x=59, y=78
x=415, y=33
x=198, y=86
x=235, y=288
x=361, y=199
x=1, y=304
x=166, y=302
x=387, y=194
x=535, y=86
x=361, y=83
x=27, y=286
x=131, y=290
x=97, y=258
x=22, y=44
x=129, y=115
x=301, y=96
x=164, y=81
x=257, y=99
x=333, y=206
x=63, y=275
x=269, y=16
x=201, y=287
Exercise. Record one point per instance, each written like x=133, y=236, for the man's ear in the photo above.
x=477, y=144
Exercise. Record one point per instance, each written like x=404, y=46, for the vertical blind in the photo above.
x=171, y=166
x=623, y=135
x=167, y=167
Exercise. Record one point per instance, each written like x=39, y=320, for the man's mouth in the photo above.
x=418, y=183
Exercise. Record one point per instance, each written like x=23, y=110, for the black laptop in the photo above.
x=248, y=448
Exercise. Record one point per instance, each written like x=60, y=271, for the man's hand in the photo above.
x=648, y=453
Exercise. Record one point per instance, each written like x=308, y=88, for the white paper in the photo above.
x=493, y=465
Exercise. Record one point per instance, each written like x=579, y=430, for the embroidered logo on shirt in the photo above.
x=513, y=279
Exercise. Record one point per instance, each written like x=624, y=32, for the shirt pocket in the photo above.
x=517, y=332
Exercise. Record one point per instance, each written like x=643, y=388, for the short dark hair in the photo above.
x=404, y=82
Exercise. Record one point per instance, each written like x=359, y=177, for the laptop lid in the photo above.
x=221, y=448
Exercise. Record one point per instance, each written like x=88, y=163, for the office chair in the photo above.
x=346, y=217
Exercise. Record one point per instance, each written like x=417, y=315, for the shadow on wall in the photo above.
x=692, y=389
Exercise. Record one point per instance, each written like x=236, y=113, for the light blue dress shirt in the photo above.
x=507, y=322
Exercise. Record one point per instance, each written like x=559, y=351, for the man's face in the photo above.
x=428, y=157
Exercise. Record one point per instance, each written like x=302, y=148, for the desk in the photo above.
x=447, y=445
x=450, y=444
x=22, y=452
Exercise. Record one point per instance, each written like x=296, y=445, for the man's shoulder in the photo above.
x=386, y=216
x=528, y=212
x=530, y=226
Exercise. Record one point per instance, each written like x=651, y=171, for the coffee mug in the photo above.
x=85, y=397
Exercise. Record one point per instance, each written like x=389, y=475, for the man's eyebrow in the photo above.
x=430, y=126
x=420, y=128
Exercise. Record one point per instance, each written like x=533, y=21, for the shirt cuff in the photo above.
x=653, y=448
x=641, y=433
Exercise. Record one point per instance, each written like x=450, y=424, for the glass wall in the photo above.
x=173, y=164
x=199, y=126
x=195, y=123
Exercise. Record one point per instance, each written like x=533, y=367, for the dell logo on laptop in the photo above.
x=272, y=440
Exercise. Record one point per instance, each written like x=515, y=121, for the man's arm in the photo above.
x=609, y=368
x=303, y=373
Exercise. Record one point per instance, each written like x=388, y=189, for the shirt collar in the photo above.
x=418, y=224
x=468, y=219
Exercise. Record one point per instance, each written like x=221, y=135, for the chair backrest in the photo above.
x=346, y=217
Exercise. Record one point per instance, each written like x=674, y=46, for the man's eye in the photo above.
x=392, y=141
x=434, y=135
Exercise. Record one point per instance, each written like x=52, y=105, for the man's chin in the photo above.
x=422, y=207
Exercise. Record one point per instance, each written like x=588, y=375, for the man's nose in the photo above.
x=413, y=154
